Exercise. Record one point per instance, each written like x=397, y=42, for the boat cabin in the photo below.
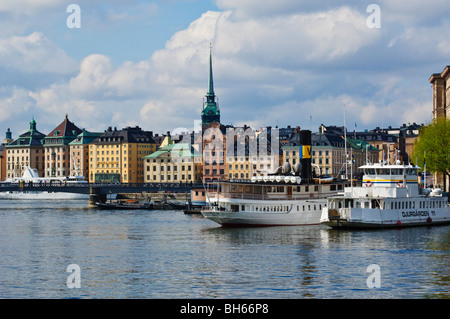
x=276, y=191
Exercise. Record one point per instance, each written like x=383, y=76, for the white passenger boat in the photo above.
x=39, y=195
x=31, y=177
x=389, y=197
x=282, y=203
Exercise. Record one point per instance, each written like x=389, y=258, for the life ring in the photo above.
x=400, y=184
x=368, y=184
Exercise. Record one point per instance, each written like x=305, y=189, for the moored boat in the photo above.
x=128, y=204
x=245, y=203
x=31, y=177
x=389, y=197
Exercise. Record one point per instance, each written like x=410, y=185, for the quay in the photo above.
x=98, y=192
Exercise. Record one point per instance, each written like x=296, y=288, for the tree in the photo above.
x=433, y=148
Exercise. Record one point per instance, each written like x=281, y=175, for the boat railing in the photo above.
x=271, y=197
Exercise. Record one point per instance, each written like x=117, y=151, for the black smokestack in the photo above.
x=305, y=160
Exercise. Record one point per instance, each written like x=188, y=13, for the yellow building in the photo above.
x=239, y=167
x=117, y=155
x=174, y=163
x=79, y=153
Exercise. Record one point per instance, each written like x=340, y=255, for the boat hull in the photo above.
x=254, y=219
x=377, y=219
x=343, y=224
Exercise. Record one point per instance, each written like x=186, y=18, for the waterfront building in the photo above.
x=328, y=155
x=8, y=139
x=118, y=155
x=79, y=153
x=26, y=150
x=57, y=149
x=361, y=153
x=389, y=145
x=392, y=143
x=440, y=83
x=213, y=135
x=214, y=153
x=173, y=163
x=441, y=93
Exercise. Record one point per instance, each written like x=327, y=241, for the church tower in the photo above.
x=210, y=112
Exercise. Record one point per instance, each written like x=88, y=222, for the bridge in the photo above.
x=99, y=191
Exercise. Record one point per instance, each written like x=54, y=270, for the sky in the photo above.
x=276, y=63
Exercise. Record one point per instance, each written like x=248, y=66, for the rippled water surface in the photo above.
x=167, y=254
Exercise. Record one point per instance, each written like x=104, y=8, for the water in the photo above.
x=167, y=254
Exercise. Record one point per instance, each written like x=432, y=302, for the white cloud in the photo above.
x=14, y=102
x=29, y=7
x=34, y=53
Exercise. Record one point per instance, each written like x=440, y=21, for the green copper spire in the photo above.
x=210, y=80
x=210, y=112
x=33, y=125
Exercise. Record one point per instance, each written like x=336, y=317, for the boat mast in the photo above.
x=345, y=145
x=424, y=170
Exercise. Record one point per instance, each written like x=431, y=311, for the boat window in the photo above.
x=348, y=203
x=243, y=208
x=370, y=171
x=375, y=203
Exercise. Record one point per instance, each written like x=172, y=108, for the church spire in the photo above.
x=210, y=95
x=210, y=112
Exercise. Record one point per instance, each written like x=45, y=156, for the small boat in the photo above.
x=389, y=197
x=127, y=204
x=31, y=177
x=193, y=209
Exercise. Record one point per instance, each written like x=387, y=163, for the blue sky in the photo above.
x=286, y=62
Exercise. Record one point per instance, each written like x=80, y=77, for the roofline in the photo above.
x=443, y=74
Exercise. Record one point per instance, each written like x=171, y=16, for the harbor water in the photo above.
x=63, y=249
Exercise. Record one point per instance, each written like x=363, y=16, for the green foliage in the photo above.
x=433, y=146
